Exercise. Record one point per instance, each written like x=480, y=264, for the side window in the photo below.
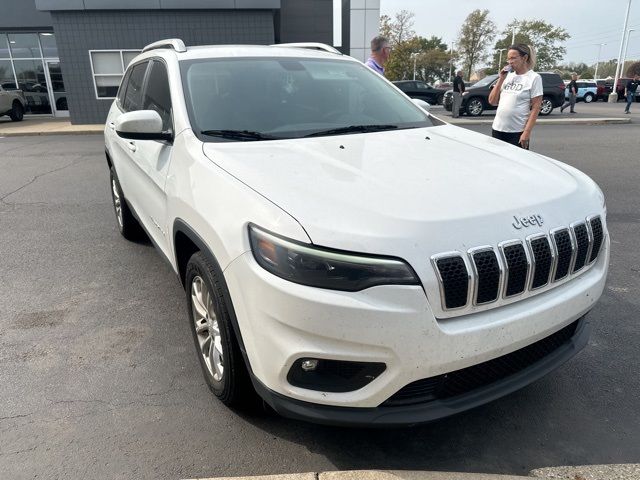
x=157, y=95
x=421, y=86
x=133, y=92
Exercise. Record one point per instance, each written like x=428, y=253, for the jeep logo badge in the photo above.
x=524, y=222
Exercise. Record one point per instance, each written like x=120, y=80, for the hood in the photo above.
x=383, y=192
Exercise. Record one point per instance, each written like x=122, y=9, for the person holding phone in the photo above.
x=518, y=95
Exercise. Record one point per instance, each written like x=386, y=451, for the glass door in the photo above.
x=58, y=92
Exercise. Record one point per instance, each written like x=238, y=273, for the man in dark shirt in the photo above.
x=573, y=93
x=458, y=90
x=630, y=91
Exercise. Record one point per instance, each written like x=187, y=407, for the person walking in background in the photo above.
x=458, y=90
x=573, y=93
x=630, y=91
x=518, y=95
x=380, y=53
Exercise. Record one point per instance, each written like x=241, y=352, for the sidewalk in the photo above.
x=595, y=113
x=45, y=126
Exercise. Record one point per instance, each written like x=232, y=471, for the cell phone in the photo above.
x=507, y=69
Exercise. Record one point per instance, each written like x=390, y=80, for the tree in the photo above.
x=633, y=69
x=399, y=29
x=544, y=37
x=475, y=35
x=430, y=55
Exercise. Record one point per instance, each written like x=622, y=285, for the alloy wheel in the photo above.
x=117, y=201
x=547, y=106
x=207, y=328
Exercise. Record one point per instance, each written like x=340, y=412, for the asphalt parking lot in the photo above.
x=100, y=378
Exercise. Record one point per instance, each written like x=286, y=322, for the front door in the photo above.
x=57, y=92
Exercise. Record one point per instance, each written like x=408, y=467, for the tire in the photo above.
x=440, y=100
x=546, y=107
x=17, y=112
x=127, y=223
x=61, y=104
x=475, y=107
x=218, y=352
x=588, y=98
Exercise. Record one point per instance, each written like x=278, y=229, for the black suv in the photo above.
x=421, y=90
x=475, y=100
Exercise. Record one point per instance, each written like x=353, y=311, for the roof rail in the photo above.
x=174, y=43
x=310, y=45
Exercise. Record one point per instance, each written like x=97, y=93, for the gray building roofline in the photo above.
x=52, y=5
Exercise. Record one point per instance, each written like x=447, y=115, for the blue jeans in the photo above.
x=630, y=98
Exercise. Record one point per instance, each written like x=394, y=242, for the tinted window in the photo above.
x=157, y=95
x=288, y=98
x=133, y=92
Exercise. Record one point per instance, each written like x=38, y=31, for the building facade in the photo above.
x=68, y=56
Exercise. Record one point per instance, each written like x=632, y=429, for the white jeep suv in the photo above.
x=345, y=254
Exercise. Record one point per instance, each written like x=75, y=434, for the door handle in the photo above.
x=132, y=146
x=112, y=125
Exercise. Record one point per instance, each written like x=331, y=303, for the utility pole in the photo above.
x=613, y=98
x=513, y=36
x=415, y=56
x=599, y=45
x=626, y=49
x=451, y=63
x=500, y=61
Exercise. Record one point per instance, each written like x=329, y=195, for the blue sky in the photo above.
x=589, y=22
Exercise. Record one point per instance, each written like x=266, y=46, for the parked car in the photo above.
x=12, y=103
x=421, y=90
x=587, y=91
x=338, y=249
x=475, y=100
x=602, y=92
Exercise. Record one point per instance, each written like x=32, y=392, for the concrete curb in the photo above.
x=378, y=475
x=585, y=472
x=547, y=121
x=65, y=128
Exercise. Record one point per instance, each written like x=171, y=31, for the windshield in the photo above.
x=239, y=99
x=485, y=81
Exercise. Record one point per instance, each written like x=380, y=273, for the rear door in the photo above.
x=5, y=101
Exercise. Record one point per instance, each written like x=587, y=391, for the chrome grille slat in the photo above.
x=484, y=275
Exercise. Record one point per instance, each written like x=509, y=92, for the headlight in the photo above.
x=465, y=93
x=324, y=268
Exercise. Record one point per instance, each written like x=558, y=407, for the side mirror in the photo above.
x=141, y=125
x=422, y=104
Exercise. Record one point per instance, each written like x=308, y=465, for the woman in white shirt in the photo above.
x=518, y=95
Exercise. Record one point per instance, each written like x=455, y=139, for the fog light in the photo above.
x=309, y=365
x=333, y=375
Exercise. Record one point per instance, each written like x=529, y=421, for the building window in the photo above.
x=107, y=67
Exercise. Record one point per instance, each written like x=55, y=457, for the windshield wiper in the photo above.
x=238, y=134
x=352, y=129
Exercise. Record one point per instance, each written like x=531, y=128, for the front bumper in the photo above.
x=282, y=322
x=413, y=414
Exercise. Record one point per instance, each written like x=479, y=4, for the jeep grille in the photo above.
x=486, y=274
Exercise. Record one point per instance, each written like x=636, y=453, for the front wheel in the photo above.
x=440, y=100
x=546, y=107
x=588, y=98
x=218, y=350
x=17, y=112
x=475, y=107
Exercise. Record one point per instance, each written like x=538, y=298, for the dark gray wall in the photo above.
x=307, y=21
x=22, y=14
x=80, y=31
